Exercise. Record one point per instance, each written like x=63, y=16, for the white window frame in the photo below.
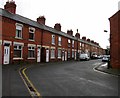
x=31, y=48
x=19, y=44
x=59, y=40
x=73, y=42
x=53, y=39
x=69, y=42
x=19, y=27
x=69, y=54
x=52, y=53
x=59, y=55
x=73, y=54
x=33, y=29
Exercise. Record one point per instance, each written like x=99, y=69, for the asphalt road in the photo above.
x=72, y=79
x=12, y=84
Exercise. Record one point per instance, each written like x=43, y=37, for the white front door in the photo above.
x=65, y=56
x=75, y=55
x=38, y=54
x=6, y=54
x=47, y=55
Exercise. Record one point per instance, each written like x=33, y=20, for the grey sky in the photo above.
x=90, y=17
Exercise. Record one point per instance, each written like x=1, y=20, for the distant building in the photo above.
x=115, y=40
x=25, y=40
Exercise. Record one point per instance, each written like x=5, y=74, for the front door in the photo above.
x=47, y=55
x=65, y=56
x=38, y=55
x=6, y=54
x=75, y=55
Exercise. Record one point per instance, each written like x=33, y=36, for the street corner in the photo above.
x=104, y=68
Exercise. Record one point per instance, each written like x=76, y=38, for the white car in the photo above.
x=84, y=57
x=106, y=58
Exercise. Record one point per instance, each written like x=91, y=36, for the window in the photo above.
x=83, y=45
x=17, y=51
x=19, y=30
x=69, y=42
x=31, y=52
x=72, y=43
x=80, y=46
x=72, y=54
x=59, y=53
x=59, y=41
x=31, y=33
x=52, y=53
x=53, y=39
x=68, y=53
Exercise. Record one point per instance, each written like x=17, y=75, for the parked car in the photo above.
x=94, y=56
x=99, y=56
x=106, y=58
x=84, y=56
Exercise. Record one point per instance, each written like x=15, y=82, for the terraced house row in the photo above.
x=25, y=40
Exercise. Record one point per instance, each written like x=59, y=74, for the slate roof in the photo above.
x=33, y=23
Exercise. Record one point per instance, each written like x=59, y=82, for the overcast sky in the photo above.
x=90, y=17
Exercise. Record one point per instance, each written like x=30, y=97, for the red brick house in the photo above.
x=115, y=40
x=25, y=40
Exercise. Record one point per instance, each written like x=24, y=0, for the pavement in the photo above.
x=104, y=68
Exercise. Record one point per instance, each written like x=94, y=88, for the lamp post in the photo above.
x=108, y=52
x=77, y=48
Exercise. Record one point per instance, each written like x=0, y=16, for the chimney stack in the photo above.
x=84, y=38
x=88, y=40
x=70, y=32
x=77, y=35
x=92, y=41
x=10, y=6
x=41, y=20
x=57, y=26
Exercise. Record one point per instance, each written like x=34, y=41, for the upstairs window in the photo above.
x=53, y=39
x=59, y=41
x=72, y=43
x=18, y=30
x=69, y=42
x=31, y=33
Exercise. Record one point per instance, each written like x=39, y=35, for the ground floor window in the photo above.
x=17, y=51
x=72, y=54
x=59, y=53
x=68, y=53
x=52, y=53
x=31, y=52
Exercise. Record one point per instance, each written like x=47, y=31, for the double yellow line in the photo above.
x=27, y=81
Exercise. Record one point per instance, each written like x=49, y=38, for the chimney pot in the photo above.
x=41, y=20
x=84, y=38
x=57, y=26
x=77, y=35
x=10, y=6
x=70, y=32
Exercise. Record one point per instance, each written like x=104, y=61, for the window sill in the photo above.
x=31, y=58
x=53, y=43
x=17, y=58
x=18, y=38
x=31, y=40
x=52, y=57
x=59, y=57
